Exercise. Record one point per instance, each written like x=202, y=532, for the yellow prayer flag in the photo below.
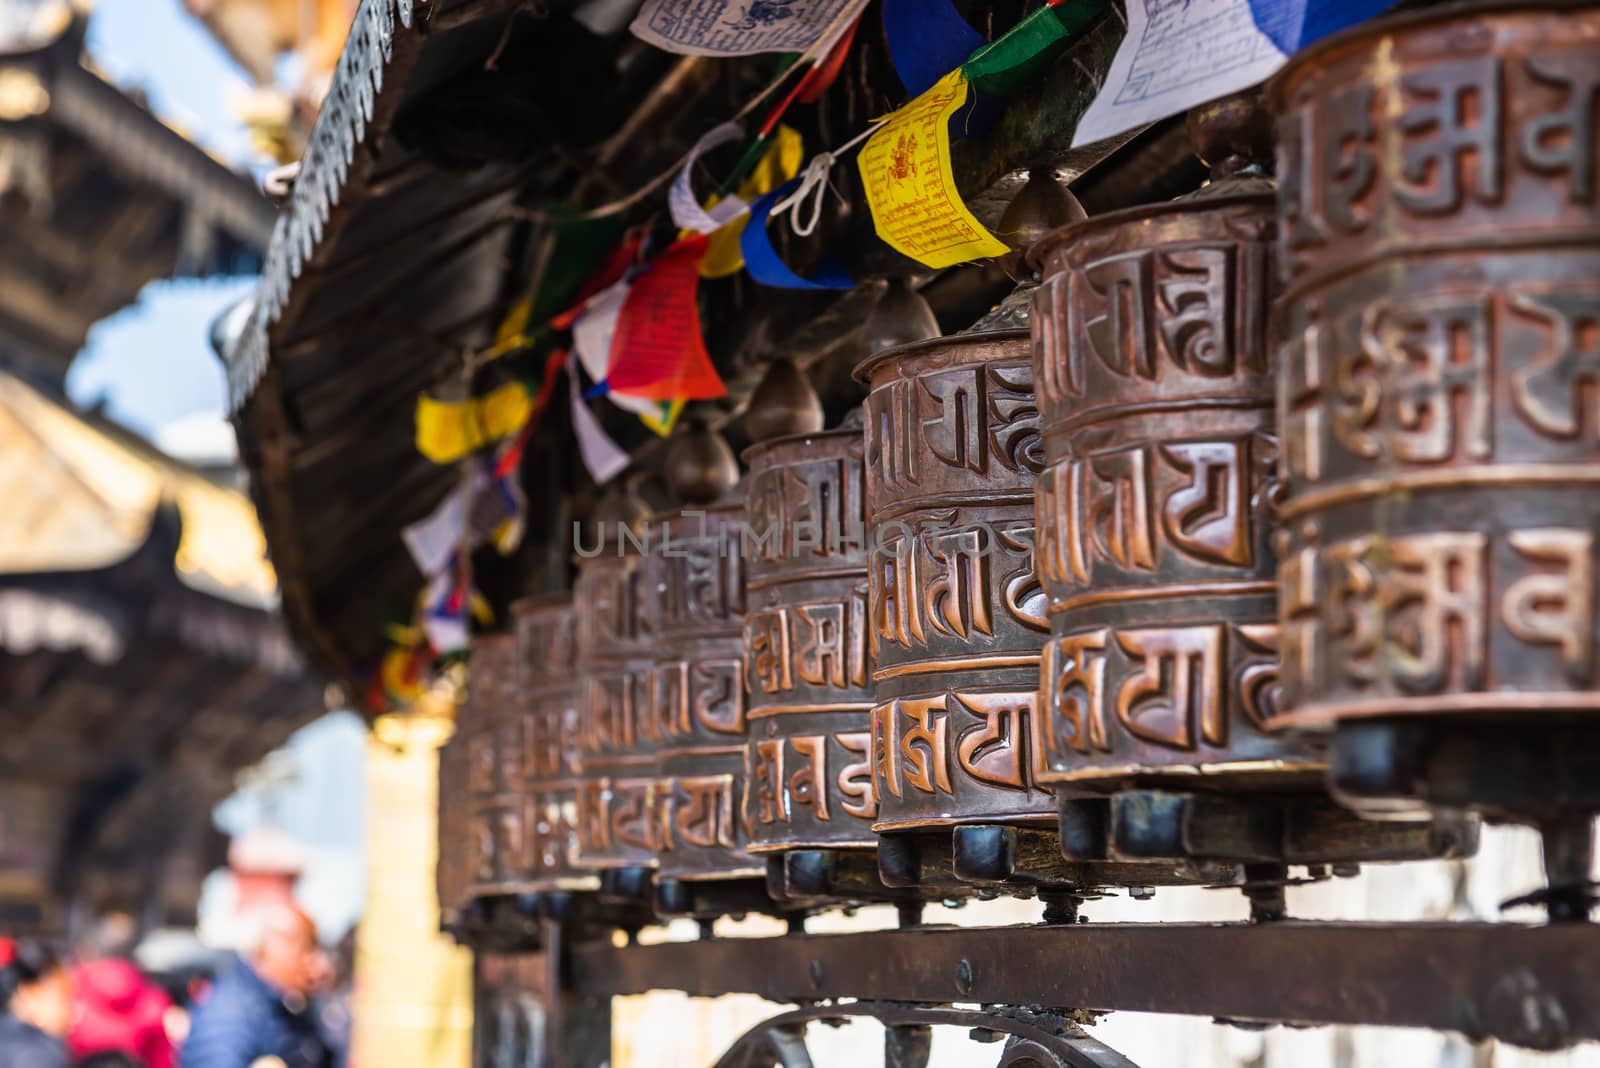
x=449, y=430
x=911, y=188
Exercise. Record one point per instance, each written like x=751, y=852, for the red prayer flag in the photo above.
x=656, y=350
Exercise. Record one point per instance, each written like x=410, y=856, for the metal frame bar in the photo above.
x=1531, y=986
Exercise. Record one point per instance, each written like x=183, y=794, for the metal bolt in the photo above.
x=816, y=975
x=1141, y=893
x=964, y=977
x=1347, y=871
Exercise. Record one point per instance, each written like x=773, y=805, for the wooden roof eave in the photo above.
x=295, y=420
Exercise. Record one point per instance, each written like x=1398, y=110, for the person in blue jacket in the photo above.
x=35, y=1006
x=261, y=1007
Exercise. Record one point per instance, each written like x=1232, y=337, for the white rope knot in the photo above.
x=813, y=182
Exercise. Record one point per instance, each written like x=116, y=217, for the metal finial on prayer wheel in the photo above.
x=783, y=403
x=902, y=317
x=619, y=507
x=700, y=467
x=1233, y=134
x=1042, y=205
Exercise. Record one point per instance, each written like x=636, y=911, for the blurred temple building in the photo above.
x=143, y=662
x=261, y=35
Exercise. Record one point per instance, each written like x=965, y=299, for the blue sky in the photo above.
x=152, y=363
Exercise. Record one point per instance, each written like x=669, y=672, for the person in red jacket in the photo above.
x=117, y=1008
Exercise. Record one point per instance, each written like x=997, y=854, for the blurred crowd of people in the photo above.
x=96, y=1008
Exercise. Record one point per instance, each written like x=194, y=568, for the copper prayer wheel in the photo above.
x=695, y=585
x=493, y=729
x=618, y=796
x=1441, y=252
x=956, y=614
x=1155, y=510
x=805, y=642
x=1437, y=348
x=546, y=635
x=450, y=881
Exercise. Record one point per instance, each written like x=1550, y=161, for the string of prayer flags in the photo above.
x=687, y=214
x=434, y=539
x=603, y=458
x=582, y=248
x=446, y=431
x=911, y=187
x=591, y=339
x=1293, y=24
x=826, y=72
x=449, y=598
x=401, y=676
x=1031, y=45
x=723, y=28
x=927, y=40
x=657, y=350
x=763, y=262
x=779, y=162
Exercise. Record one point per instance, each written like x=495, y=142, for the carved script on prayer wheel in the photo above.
x=955, y=613
x=1439, y=352
x=695, y=587
x=617, y=792
x=494, y=726
x=808, y=760
x=1155, y=512
x=546, y=630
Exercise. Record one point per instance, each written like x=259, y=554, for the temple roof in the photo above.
x=98, y=196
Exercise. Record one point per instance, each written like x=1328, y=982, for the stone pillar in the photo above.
x=413, y=985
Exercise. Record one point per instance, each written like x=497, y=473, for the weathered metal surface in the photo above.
x=956, y=612
x=1156, y=509
x=1436, y=342
x=618, y=794
x=546, y=630
x=1532, y=986
x=805, y=643
x=492, y=724
x=695, y=582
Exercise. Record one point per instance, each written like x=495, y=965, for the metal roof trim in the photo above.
x=341, y=126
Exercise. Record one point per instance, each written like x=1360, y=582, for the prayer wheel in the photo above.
x=1155, y=510
x=618, y=795
x=546, y=635
x=453, y=839
x=956, y=615
x=493, y=728
x=698, y=691
x=805, y=640
x=1438, y=346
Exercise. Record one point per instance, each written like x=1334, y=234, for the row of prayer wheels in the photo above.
x=1270, y=542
